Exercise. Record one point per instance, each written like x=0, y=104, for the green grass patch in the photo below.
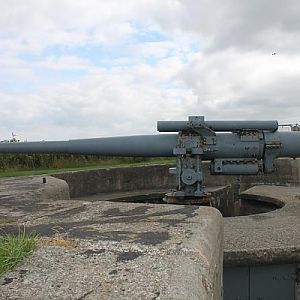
x=14, y=248
x=105, y=164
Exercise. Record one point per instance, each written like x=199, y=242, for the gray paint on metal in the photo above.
x=143, y=145
x=275, y=282
x=228, y=145
x=270, y=282
x=236, y=283
x=175, y=126
x=290, y=142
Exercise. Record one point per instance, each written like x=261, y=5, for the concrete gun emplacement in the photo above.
x=232, y=147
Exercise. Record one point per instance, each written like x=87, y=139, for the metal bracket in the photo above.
x=272, y=150
x=197, y=124
x=192, y=143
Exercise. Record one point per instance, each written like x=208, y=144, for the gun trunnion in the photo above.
x=233, y=147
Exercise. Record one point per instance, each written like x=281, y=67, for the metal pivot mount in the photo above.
x=252, y=148
x=193, y=141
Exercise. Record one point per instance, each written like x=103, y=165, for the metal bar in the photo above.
x=175, y=126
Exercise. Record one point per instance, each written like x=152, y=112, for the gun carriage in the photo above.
x=232, y=147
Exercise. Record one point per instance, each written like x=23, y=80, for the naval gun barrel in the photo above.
x=228, y=145
x=137, y=146
x=290, y=144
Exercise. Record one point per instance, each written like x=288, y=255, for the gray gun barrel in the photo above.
x=290, y=144
x=140, y=145
x=229, y=145
x=175, y=126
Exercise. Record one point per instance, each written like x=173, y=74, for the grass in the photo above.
x=60, y=240
x=104, y=164
x=14, y=248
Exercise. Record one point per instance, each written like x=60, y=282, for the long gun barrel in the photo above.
x=140, y=145
x=229, y=145
x=233, y=147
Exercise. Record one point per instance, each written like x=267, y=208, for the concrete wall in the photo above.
x=89, y=182
x=23, y=189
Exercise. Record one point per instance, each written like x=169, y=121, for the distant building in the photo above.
x=295, y=127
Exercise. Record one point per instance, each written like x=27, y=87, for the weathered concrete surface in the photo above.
x=125, y=251
x=225, y=199
x=267, y=238
x=113, y=250
x=89, y=182
x=32, y=187
x=20, y=197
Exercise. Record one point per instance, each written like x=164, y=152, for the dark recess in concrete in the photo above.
x=246, y=207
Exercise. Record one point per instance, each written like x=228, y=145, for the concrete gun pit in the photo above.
x=129, y=244
x=150, y=250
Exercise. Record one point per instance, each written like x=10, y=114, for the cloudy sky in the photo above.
x=88, y=68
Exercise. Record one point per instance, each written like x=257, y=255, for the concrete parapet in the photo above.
x=268, y=238
x=147, y=251
x=89, y=182
x=33, y=188
x=20, y=196
x=124, y=251
x=262, y=252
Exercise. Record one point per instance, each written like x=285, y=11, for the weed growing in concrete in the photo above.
x=14, y=248
x=60, y=239
x=60, y=242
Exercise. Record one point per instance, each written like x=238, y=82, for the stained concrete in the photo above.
x=138, y=251
x=106, y=180
x=125, y=251
x=268, y=238
x=32, y=187
x=27, y=198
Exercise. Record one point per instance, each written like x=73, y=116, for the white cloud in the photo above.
x=235, y=84
x=66, y=62
x=106, y=102
x=216, y=61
